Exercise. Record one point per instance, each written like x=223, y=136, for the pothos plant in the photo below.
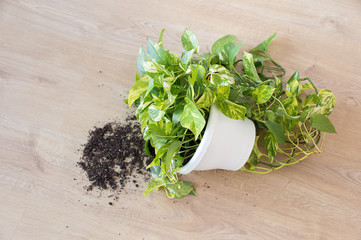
x=173, y=96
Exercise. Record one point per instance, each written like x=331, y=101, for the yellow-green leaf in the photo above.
x=230, y=109
x=270, y=145
x=263, y=93
x=249, y=67
x=327, y=101
x=155, y=113
x=263, y=47
x=140, y=86
x=293, y=88
x=180, y=189
x=172, y=150
x=207, y=99
x=192, y=118
x=220, y=76
x=189, y=41
x=223, y=91
x=155, y=184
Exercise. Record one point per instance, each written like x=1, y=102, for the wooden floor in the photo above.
x=66, y=66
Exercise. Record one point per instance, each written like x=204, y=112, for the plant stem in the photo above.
x=311, y=138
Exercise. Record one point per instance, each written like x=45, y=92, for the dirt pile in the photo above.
x=114, y=155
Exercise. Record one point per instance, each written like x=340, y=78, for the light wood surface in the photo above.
x=52, y=92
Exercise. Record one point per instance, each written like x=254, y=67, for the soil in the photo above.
x=114, y=155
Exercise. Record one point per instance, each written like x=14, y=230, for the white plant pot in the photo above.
x=226, y=144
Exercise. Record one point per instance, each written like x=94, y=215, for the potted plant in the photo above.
x=181, y=100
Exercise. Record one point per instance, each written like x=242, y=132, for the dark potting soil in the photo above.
x=114, y=155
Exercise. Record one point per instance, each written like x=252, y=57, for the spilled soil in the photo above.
x=114, y=156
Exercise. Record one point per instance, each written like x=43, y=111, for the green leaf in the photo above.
x=161, y=146
x=150, y=67
x=160, y=40
x=294, y=76
x=187, y=56
x=312, y=100
x=222, y=79
x=255, y=155
x=270, y=115
x=327, y=100
x=150, y=86
x=293, y=87
x=223, y=55
x=291, y=106
x=323, y=102
x=260, y=57
x=233, y=53
x=189, y=41
x=263, y=93
x=157, y=53
x=143, y=119
x=156, y=129
x=223, y=91
x=276, y=131
x=192, y=118
x=249, y=68
x=253, y=160
x=156, y=171
x=288, y=124
x=155, y=113
x=193, y=193
x=142, y=57
x=220, y=76
x=169, y=126
x=156, y=160
x=194, y=75
x=321, y=122
x=201, y=73
x=231, y=110
x=263, y=47
x=279, y=112
x=256, y=149
x=306, y=112
x=307, y=86
x=138, y=88
x=278, y=86
x=207, y=99
x=180, y=189
x=270, y=145
x=155, y=184
x=172, y=150
x=220, y=43
x=177, y=114
x=144, y=101
x=177, y=162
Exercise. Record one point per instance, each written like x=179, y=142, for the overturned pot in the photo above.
x=226, y=144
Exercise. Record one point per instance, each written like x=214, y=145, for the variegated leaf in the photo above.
x=231, y=110
x=192, y=118
x=263, y=93
x=207, y=99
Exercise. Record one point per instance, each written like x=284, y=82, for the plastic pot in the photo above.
x=226, y=144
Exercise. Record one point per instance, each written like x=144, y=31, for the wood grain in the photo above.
x=52, y=92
